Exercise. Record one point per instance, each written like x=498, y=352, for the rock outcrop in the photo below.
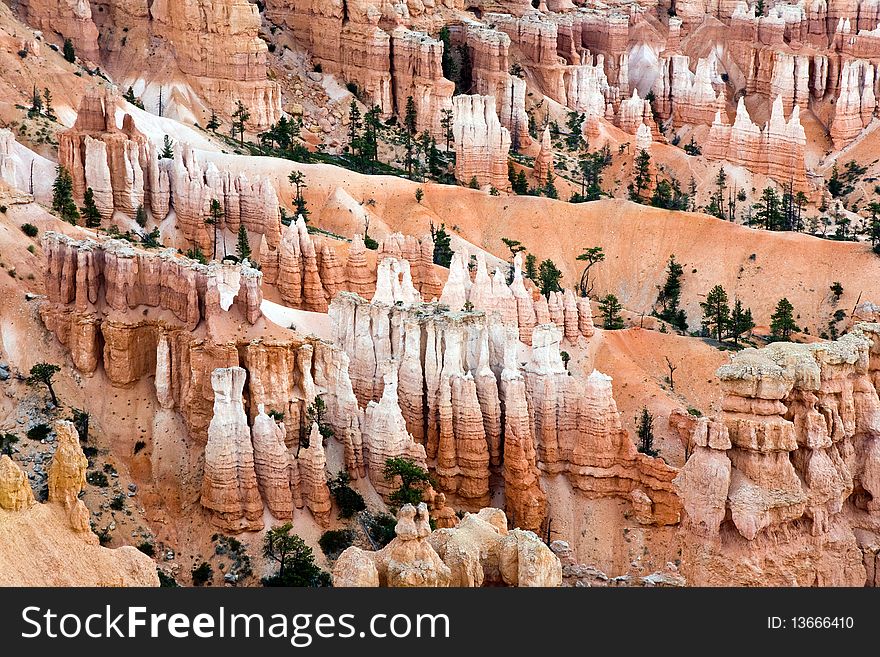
x=271, y=464
x=544, y=160
x=481, y=143
x=15, y=490
x=451, y=381
x=686, y=97
x=776, y=151
x=33, y=535
x=229, y=487
x=124, y=172
x=782, y=491
x=480, y=551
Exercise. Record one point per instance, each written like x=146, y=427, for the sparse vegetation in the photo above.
x=295, y=559
x=202, y=574
x=96, y=478
x=335, y=541
x=413, y=481
x=43, y=374
x=349, y=501
x=645, y=432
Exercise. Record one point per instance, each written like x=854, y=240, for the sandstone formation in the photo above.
x=686, y=97
x=15, y=490
x=271, y=465
x=312, y=484
x=33, y=535
x=782, y=491
x=62, y=19
x=544, y=161
x=478, y=552
x=481, y=143
x=777, y=150
x=452, y=380
x=229, y=488
x=124, y=172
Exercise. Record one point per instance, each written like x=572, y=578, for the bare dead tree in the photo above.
x=672, y=369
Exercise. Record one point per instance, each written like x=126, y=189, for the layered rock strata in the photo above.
x=782, y=490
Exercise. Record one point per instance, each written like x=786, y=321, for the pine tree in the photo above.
x=451, y=69
x=298, y=179
x=372, y=125
x=409, y=123
x=592, y=256
x=782, y=323
x=213, y=219
x=610, y=308
x=89, y=210
x=240, y=117
x=530, y=270
x=243, y=246
x=447, y=122
x=213, y=122
x=167, y=152
x=740, y=321
x=62, y=196
x=47, y=105
x=835, y=184
x=355, y=124
x=442, y=246
x=716, y=312
x=645, y=432
x=874, y=223
x=575, y=124
x=549, y=277
x=131, y=98
x=642, y=177
x=550, y=190
x=140, y=216
x=768, y=211
x=411, y=117
x=69, y=52
x=36, y=108
x=521, y=183
x=669, y=295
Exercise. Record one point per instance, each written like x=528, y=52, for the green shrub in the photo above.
x=166, y=581
x=202, y=574
x=147, y=548
x=30, y=230
x=39, y=431
x=118, y=502
x=103, y=535
x=333, y=542
x=98, y=479
x=296, y=560
x=347, y=499
x=380, y=528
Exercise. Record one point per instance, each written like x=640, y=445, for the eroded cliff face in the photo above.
x=124, y=171
x=215, y=47
x=447, y=378
x=776, y=150
x=781, y=489
x=200, y=332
